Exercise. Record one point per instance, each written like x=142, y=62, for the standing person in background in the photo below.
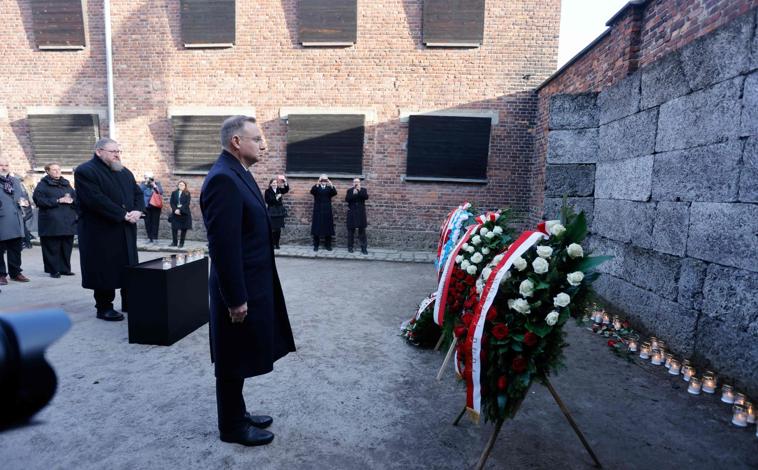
x=276, y=210
x=12, y=203
x=181, y=215
x=152, y=205
x=322, y=224
x=356, y=215
x=28, y=210
x=56, y=201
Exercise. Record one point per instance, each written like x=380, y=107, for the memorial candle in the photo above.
x=740, y=399
x=633, y=345
x=645, y=350
x=727, y=394
x=616, y=322
x=606, y=318
x=694, y=387
x=687, y=372
x=166, y=262
x=739, y=416
x=657, y=358
x=668, y=357
x=653, y=342
x=750, y=412
x=709, y=382
x=674, y=367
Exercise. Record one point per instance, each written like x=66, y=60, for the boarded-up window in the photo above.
x=208, y=23
x=58, y=24
x=196, y=142
x=325, y=143
x=453, y=23
x=68, y=139
x=327, y=22
x=448, y=147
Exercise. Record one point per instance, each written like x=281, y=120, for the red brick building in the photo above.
x=283, y=61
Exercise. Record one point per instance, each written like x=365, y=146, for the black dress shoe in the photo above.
x=328, y=248
x=250, y=436
x=69, y=273
x=259, y=421
x=349, y=250
x=55, y=275
x=110, y=315
x=364, y=251
x=315, y=248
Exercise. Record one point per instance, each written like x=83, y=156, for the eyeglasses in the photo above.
x=254, y=139
x=115, y=152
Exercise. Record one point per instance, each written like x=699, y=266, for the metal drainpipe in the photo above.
x=109, y=68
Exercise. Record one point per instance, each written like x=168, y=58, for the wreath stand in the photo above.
x=491, y=442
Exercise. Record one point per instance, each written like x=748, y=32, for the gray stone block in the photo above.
x=652, y=270
x=691, y=279
x=569, y=180
x=749, y=174
x=663, y=318
x=553, y=207
x=720, y=55
x=723, y=233
x=620, y=100
x=628, y=137
x=572, y=146
x=709, y=173
x=624, y=179
x=573, y=111
x=700, y=118
x=662, y=81
x=731, y=295
x=750, y=105
x=603, y=246
x=730, y=351
x=625, y=221
x=670, y=228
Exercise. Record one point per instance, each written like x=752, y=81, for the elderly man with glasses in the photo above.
x=110, y=203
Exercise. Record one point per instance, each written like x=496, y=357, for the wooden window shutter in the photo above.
x=68, y=139
x=208, y=23
x=448, y=147
x=325, y=143
x=58, y=24
x=453, y=23
x=327, y=22
x=197, y=142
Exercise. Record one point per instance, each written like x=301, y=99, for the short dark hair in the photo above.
x=233, y=125
x=47, y=167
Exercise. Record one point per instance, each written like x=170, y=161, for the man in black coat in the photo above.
x=249, y=326
x=110, y=203
x=356, y=215
x=322, y=224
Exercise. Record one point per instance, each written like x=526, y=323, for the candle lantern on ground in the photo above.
x=674, y=366
x=709, y=382
x=657, y=357
x=645, y=350
x=740, y=399
x=750, y=412
x=695, y=385
x=739, y=416
x=687, y=372
x=727, y=394
x=632, y=345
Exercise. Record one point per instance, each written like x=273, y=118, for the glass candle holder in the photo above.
x=687, y=372
x=667, y=356
x=632, y=345
x=727, y=393
x=674, y=367
x=695, y=386
x=606, y=318
x=616, y=322
x=645, y=350
x=653, y=342
x=739, y=416
x=750, y=412
x=740, y=399
x=709, y=382
x=167, y=262
x=180, y=258
x=657, y=357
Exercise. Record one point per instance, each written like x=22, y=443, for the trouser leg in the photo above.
x=276, y=235
x=362, y=238
x=50, y=249
x=230, y=404
x=174, y=233
x=182, y=234
x=328, y=242
x=315, y=241
x=14, y=247
x=3, y=270
x=104, y=299
x=67, y=245
x=350, y=238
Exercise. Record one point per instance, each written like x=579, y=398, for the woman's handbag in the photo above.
x=156, y=200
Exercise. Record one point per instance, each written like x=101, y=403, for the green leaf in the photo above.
x=542, y=285
x=540, y=330
x=592, y=262
x=577, y=229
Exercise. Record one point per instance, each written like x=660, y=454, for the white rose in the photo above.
x=561, y=300
x=575, y=278
x=477, y=258
x=575, y=250
x=458, y=259
x=465, y=246
x=485, y=250
x=483, y=231
x=544, y=251
x=549, y=224
x=526, y=288
x=490, y=235
x=471, y=269
x=497, y=230
x=519, y=305
x=552, y=318
x=519, y=263
x=540, y=266
x=498, y=259
x=486, y=273
x=476, y=240
x=557, y=230
x=470, y=249
x=465, y=264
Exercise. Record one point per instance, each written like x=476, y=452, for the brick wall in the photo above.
x=388, y=69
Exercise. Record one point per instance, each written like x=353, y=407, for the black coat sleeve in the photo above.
x=173, y=201
x=270, y=197
x=43, y=197
x=284, y=189
x=92, y=198
x=186, y=200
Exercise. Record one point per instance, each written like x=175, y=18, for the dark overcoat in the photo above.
x=243, y=270
x=356, y=208
x=107, y=243
x=11, y=214
x=322, y=224
x=55, y=219
x=180, y=200
x=276, y=209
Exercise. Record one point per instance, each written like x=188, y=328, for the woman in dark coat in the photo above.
x=322, y=224
x=56, y=200
x=276, y=210
x=181, y=215
x=356, y=215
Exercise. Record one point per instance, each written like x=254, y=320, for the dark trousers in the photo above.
x=276, y=234
x=182, y=235
x=361, y=238
x=13, y=247
x=152, y=220
x=327, y=242
x=56, y=253
x=230, y=404
x=104, y=299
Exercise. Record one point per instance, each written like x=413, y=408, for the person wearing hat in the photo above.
x=152, y=208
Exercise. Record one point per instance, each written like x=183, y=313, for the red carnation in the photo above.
x=459, y=331
x=491, y=313
x=466, y=319
x=530, y=339
x=611, y=343
x=460, y=274
x=502, y=383
x=500, y=331
x=470, y=302
x=470, y=281
x=518, y=364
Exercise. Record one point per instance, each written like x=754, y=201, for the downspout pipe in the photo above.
x=109, y=69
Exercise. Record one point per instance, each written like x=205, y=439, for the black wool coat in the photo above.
x=55, y=219
x=356, y=208
x=184, y=220
x=276, y=209
x=322, y=224
x=243, y=270
x=107, y=243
